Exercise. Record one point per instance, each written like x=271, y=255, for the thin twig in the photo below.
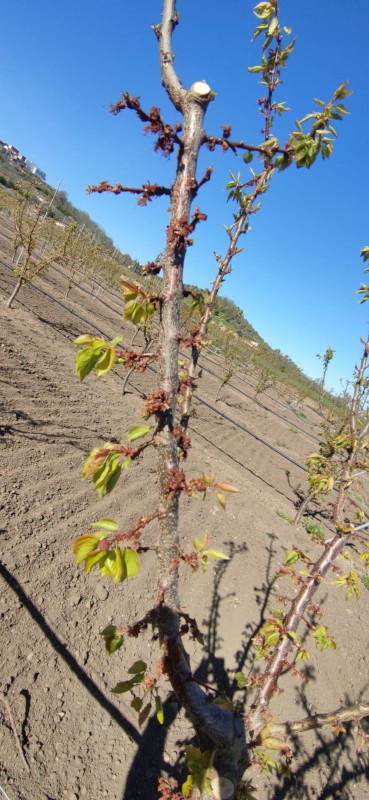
x=4, y=794
x=316, y=721
x=6, y=703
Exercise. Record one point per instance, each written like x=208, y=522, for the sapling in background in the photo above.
x=229, y=734
x=326, y=359
x=31, y=228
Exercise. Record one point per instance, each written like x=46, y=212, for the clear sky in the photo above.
x=62, y=65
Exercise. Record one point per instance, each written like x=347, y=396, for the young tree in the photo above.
x=226, y=736
x=326, y=358
x=31, y=227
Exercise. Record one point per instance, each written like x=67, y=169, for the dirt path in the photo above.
x=81, y=741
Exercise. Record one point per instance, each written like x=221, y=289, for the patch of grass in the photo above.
x=281, y=444
x=284, y=516
x=293, y=430
x=301, y=414
x=313, y=529
x=365, y=581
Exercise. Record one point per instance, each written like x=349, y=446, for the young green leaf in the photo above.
x=123, y=686
x=159, y=710
x=137, y=432
x=137, y=704
x=84, y=545
x=221, y=499
x=138, y=666
x=291, y=557
x=113, y=640
x=217, y=555
x=106, y=524
x=143, y=715
x=132, y=563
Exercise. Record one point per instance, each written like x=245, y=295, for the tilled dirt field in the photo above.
x=80, y=740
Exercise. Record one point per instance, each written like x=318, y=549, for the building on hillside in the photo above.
x=22, y=161
x=36, y=171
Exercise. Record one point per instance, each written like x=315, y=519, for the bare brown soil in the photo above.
x=79, y=740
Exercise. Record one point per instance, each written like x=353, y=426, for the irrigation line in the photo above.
x=204, y=356
x=209, y=371
x=251, y=433
x=197, y=397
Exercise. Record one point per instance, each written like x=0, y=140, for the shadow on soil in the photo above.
x=337, y=761
x=339, y=779
x=68, y=657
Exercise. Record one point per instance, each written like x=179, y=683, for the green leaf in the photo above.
x=221, y=499
x=273, y=27
x=116, y=341
x=138, y=666
x=106, y=524
x=122, y=687
x=113, y=566
x=291, y=557
x=187, y=786
x=264, y=10
x=106, y=362
x=217, y=555
x=143, y=715
x=113, y=479
x=114, y=644
x=132, y=562
x=282, y=162
x=341, y=109
x=113, y=640
x=204, y=562
x=84, y=545
x=85, y=362
x=137, y=432
x=137, y=704
x=159, y=710
x=93, y=559
x=255, y=69
x=248, y=157
x=84, y=339
x=199, y=544
x=242, y=682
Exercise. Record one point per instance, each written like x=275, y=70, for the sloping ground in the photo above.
x=80, y=740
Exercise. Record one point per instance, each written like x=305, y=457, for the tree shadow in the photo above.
x=324, y=771
x=142, y=781
x=335, y=762
x=88, y=683
x=45, y=437
x=315, y=508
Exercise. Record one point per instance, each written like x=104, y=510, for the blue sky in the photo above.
x=62, y=65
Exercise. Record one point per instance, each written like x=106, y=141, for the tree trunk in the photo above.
x=215, y=728
x=14, y=293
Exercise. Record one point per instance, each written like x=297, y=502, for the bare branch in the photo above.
x=169, y=77
x=316, y=721
x=147, y=192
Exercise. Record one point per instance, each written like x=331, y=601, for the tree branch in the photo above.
x=169, y=77
x=316, y=721
x=257, y=717
x=147, y=192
